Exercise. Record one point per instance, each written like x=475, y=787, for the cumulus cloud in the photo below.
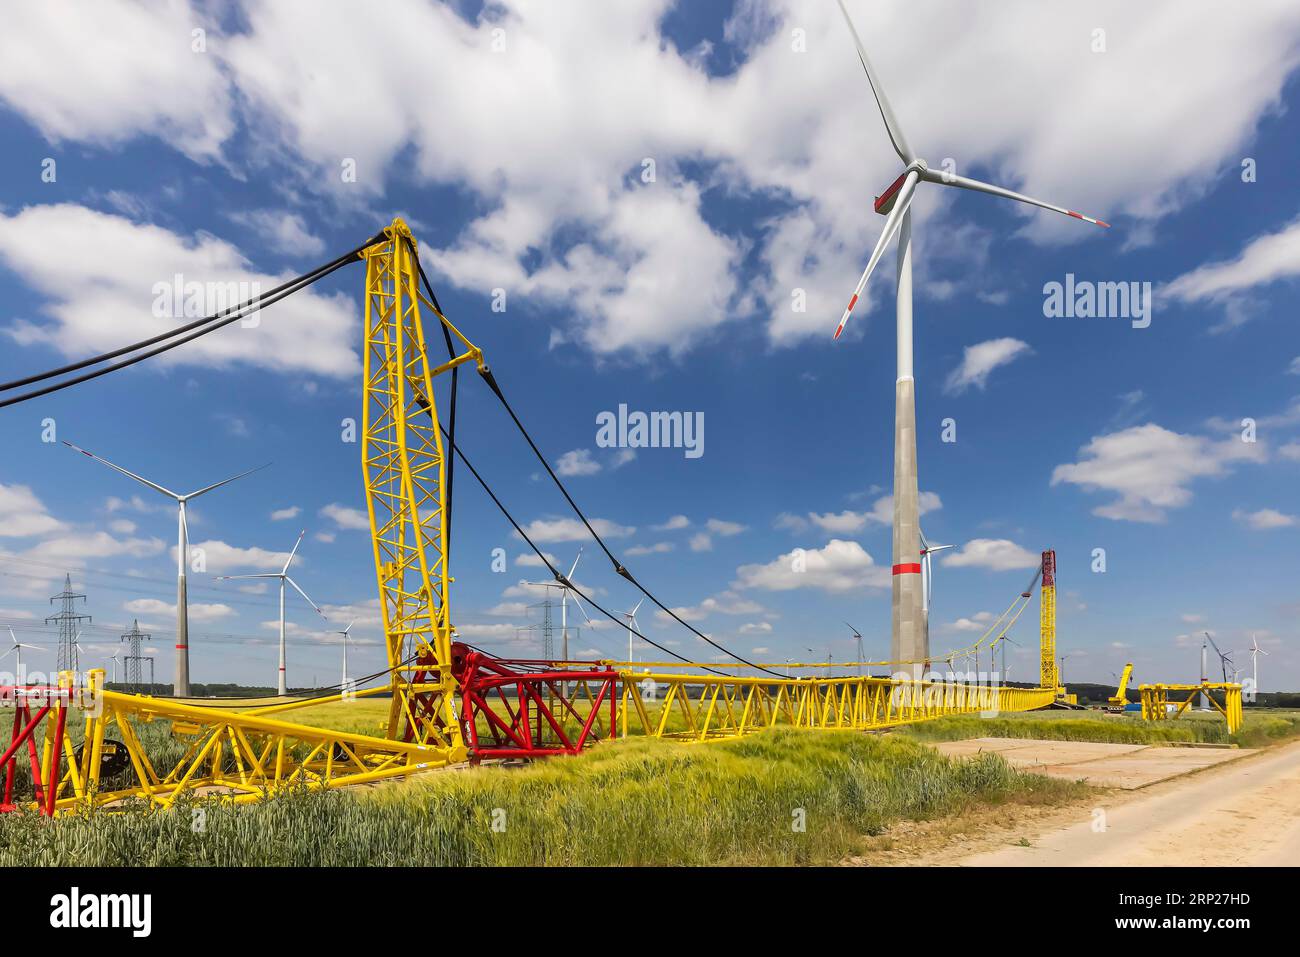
x=572, y=530
x=565, y=214
x=345, y=517
x=995, y=554
x=577, y=462
x=115, y=282
x=979, y=361
x=839, y=566
x=23, y=514
x=1265, y=519
x=1270, y=258
x=281, y=514
x=850, y=521
x=1150, y=468
x=197, y=611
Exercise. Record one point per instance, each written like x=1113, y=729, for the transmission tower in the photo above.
x=548, y=631
x=68, y=627
x=132, y=661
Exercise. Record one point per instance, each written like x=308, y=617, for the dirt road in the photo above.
x=1244, y=813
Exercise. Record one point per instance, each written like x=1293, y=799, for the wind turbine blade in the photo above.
x=118, y=468
x=637, y=608
x=8, y=653
x=12, y=636
x=230, y=578
x=294, y=552
x=226, y=481
x=577, y=601
x=574, y=568
x=886, y=113
x=349, y=627
x=304, y=595
x=21, y=644
x=963, y=182
x=892, y=223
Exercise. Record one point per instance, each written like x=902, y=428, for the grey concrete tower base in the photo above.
x=909, y=633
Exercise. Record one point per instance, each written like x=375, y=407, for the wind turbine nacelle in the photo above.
x=885, y=201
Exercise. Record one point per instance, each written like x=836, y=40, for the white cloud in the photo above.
x=726, y=529
x=572, y=530
x=101, y=293
x=1265, y=519
x=531, y=560
x=1149, y=468
x=122, y=526
x=1266, y=259
x=656, y=549
x=757, y=628
x=724, y=603
x=1020, y=89
x=979, y=361
x=577, y=462
x=849, y=521
x=283, y=231
x=673, y=524
x=701, y=542
x=979, y=621
x=280, y=514
x=345, y=517
x=1192, y=619
x=221, y=558
x=1290, y=451
x=996, y=554
x=85, y=75
x=839, y=566
x=22, y=514
x=197, y=611
x=1294, y=368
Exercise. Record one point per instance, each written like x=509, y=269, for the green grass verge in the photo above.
x=627, y=803
x=1256, y=731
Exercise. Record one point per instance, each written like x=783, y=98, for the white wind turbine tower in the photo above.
x=629, y=618
x=181, y=687
x=344, y=633
x=283, y=575
x=1255, y=652
x=16, y=649
x=565, y=584
x=927, y=578
x=910, y=642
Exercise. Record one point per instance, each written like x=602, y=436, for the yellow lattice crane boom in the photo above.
x=404, y=464
x=1120, y=700
x=1049, y=675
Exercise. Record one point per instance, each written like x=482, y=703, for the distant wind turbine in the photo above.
x=344, y=633
x=1255, y=652
x=283, y=575
x=16, y=649
x=182, y=678
x=629, y=618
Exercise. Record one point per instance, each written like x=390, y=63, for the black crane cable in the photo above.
x=619, y=567
x=195, y=329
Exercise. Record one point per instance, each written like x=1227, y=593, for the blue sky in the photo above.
x=518, y=157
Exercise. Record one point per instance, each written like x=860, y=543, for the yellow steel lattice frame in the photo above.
x=699, y=708
x=404, y=470
x=240, y=758
x=1158, y=706
x=1048, y=671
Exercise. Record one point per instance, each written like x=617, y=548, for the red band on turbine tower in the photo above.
x=908, y=568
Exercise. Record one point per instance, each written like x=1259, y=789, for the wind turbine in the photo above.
x=629, y=618
x=113, y=658
x=16, y=649
x=857, y=637
x=910, y=640
x=344, y=633
x=1224, y=660
x=927, y=578
x=1255, y=652
x=283, y=575
x=182, y=679
x=1004, y=638
x=565, y=584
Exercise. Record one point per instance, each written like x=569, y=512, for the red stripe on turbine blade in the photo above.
x=853, y=302
x=1100, y=223
x=908, y=568
x=888, y=194
x=1075, y=215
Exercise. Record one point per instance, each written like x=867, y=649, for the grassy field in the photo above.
x=778, y=797
x=1258, y=730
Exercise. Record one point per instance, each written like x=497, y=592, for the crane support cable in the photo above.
x=559, y=575
x=619, y=567
x=179, y=336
